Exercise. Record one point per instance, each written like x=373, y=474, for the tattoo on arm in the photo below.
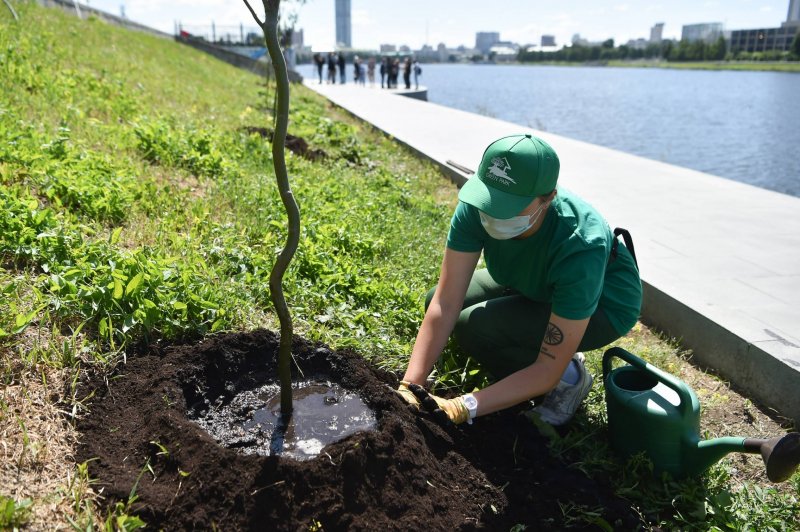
x=547, y=353
x=553, y=335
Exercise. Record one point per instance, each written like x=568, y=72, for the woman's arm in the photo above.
x=560, y=343
x=442, y=313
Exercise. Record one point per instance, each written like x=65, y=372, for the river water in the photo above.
x=738, y=125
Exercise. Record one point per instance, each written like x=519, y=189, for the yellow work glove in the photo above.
x=445, y=410
x=407, y=395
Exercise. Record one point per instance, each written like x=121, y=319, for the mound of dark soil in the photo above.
x=409, y=474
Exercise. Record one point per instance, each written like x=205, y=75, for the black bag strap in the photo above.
x=626, y=236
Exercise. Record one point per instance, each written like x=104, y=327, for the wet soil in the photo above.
x=409, y=473
x=253, y=422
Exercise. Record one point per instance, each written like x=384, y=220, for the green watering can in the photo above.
x=652, y=411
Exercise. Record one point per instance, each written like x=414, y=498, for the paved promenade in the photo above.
x=720, y=260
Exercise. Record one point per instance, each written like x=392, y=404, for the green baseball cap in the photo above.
x=513, y=171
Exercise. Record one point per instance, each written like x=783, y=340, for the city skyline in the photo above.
x=416, y=23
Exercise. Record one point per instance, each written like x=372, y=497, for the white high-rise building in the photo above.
x=484, y=40
x=656, y=33
x=343, y=24
x=708, y=32
x=793, y=18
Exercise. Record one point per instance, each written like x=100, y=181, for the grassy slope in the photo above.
x=138, y=209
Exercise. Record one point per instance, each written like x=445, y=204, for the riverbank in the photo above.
x=756, y=66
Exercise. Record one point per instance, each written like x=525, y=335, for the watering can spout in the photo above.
x=706, y=453
x=781, y=454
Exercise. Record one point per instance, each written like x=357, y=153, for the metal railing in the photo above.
x=222, y=34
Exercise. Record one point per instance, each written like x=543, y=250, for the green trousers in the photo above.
x=503, y=330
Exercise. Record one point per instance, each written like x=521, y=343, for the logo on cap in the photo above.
x=499, y=171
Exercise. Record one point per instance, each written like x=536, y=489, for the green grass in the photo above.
x=138, y=206
x=14, y=514
x=764, y=66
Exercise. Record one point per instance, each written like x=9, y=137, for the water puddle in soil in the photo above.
x=323, y=413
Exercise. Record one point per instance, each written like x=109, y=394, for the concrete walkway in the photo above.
x=720, y=260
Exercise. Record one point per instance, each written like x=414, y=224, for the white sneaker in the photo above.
x=563, y=401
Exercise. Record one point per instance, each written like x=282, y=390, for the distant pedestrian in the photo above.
x=320, y=62
x=417, y=74
x=331, y=68
x=394, y=73
x=407, y=72
x=371, y=71
x=362, y=73
x=384, y=70
x=356, y=69
x=342, y=66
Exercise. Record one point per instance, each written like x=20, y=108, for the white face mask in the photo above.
x=510, y=227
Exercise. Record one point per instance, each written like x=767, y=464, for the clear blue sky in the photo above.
x=416, y=22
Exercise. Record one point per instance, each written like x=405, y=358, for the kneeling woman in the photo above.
x=557, y=282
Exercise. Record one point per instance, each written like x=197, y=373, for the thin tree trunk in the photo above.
x=270, y=28
x=10, y=8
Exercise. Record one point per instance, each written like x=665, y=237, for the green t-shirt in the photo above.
x=565, y=263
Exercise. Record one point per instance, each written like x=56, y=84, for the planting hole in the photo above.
x=252, y=423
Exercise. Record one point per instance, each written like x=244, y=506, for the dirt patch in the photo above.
x=410, y=473
x=36, y=444
x=297, y=145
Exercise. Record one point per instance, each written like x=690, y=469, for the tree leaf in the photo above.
x=134, y=283
x=114, y=238
x=117, y=289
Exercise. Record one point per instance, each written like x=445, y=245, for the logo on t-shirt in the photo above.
x=498, y=171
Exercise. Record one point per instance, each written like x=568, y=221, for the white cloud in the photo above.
x=360, y=17
x=525, y=34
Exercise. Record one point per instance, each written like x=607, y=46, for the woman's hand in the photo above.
x=444, y=410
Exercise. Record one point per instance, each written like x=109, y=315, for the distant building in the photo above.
x=577, y=40
x=768, y=39
x=404, y=48
x=548, y=40
x=708, y=32
x=638, y=44
x=657, y=33
x=503, y=53
x=343, y=24
x=427, y=54
x=763, y=39
x=388, y=48
x=441, y=50
x=297, y=39
x=484, y=40
x=793, y=18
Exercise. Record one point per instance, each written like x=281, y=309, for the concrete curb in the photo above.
x=745, y=364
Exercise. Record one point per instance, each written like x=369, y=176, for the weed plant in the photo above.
x=137, y=206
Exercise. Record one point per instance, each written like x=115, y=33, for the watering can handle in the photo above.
x=685, y=395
